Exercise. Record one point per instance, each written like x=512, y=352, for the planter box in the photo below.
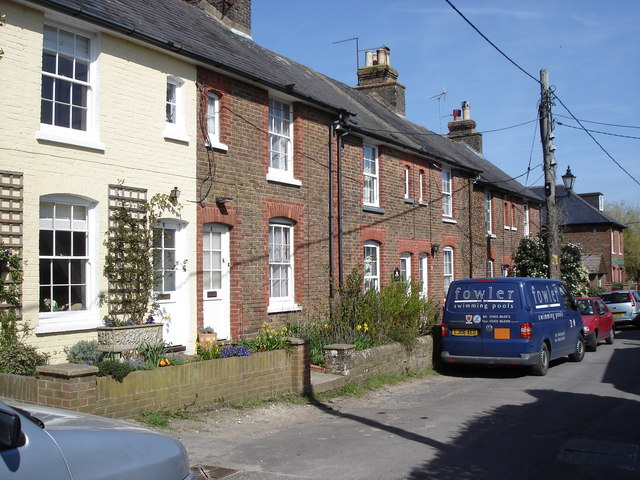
x=122, y=339
x=207, y=337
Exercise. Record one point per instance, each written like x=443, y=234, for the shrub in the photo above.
x=397, y=313
x=84, y=352
x=21, y=359
x=153, y=353
x=118, y=370
x=207, y=350
x=267, y=339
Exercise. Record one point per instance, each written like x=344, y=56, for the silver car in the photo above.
x=624, y=304
x=43, y=442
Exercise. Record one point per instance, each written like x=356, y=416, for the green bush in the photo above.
x=21, y=359
x=397, y=313
x=118, y=370
x=153, y=352
x=84, y=352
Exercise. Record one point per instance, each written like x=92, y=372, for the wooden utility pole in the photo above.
x=546, y=129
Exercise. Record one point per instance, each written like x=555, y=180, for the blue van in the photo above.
x=510, y=321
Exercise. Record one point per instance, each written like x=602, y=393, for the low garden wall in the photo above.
x=392, y=359
x=234, y=379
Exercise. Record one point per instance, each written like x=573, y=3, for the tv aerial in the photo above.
x=440, y=97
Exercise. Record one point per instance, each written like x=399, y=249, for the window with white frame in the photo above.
x=67, y=111
x=405, y=267
x=370, y=172
x=371, y=266
x=489, y=268
x=423, y=274
x=164, y=258
x=613, y=245
x=65, y=253
x=174, y=110
x=213, y=120
x=421, y=186
x=281, y=282
x=526, y=220
x=407, y=186
x=487, y=213
x=447, y=258
x=447, y=206
x=280, y=142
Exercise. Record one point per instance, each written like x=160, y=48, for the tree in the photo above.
x=530, y=260
x=629, y=215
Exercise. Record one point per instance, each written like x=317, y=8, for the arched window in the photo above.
x=371, y=266
x=447, y=258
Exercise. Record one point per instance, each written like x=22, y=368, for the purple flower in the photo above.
x=234, y=351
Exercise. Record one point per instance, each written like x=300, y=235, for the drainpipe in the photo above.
x=340, y=256
x=471, y=182
x=331, y=135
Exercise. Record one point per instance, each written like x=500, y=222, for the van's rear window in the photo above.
x=488, y=297
x=622, y=297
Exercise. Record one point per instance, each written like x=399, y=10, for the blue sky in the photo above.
x=591, y=49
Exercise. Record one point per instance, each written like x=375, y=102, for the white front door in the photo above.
x=170, y=289
x=215, y=279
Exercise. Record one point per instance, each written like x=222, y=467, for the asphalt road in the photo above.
x=582, y=421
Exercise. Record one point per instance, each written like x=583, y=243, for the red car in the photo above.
x=597, y=320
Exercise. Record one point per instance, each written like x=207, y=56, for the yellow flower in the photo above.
x=366, y=327
x=359, y=327
x=284, y=329
x=326, y=325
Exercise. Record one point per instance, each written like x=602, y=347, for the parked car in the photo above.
x=625, y=306
x=42, y=442
x=597, y=320
x=510, y=321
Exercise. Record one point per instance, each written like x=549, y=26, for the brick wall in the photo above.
x=393, y=359
x=234, y=379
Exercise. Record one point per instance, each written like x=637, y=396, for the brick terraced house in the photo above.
x=288, y=178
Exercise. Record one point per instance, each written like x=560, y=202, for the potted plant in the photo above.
x=130, y=274
x=206, y=334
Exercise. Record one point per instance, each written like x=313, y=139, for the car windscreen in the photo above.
x=584, y=307
x=622, y=297
x=488, y=297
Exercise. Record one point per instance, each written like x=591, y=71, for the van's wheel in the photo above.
x=578, y=355
x=542, y=367
x=610, y=338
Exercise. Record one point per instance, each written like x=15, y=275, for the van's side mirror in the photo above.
x=10, y=430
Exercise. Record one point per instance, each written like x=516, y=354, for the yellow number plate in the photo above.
x=464, y=332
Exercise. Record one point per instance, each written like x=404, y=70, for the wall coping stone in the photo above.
x=67, y=370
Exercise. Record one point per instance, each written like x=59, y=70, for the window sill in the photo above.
x=276, y=176
x=176, y=137
x=422, y=203
x=67, y=139
x=372, y=209
x=409, y=201
x=284, y=307
x=491, y=235
x=58, y=323
x=449, y=220
x=514, y=229
x=217, y=146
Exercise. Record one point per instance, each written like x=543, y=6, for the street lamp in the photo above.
x=568, y=179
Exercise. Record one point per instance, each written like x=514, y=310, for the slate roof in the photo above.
x=185, y=29
x=573, y=210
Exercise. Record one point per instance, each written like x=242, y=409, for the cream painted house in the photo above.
x=85, y=110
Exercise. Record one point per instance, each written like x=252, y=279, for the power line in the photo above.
x=492, y=44
x=599, y=132
x=601, y=123
x=593, y=138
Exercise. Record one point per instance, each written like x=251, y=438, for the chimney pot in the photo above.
x=456, y=115
x=466, y=111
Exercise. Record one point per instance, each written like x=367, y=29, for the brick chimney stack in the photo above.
x=235, y=14
x=465, y=130
x=380, y=81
